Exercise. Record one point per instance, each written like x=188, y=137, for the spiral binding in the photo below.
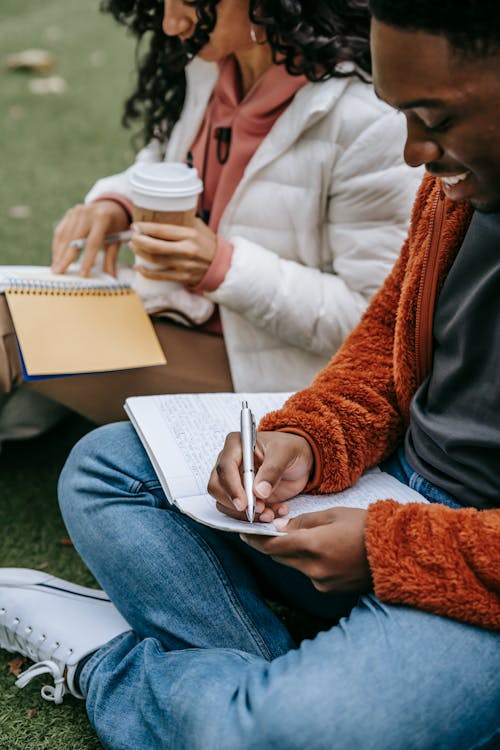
x=81, y=287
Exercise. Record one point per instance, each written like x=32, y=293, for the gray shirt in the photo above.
x=454, y=434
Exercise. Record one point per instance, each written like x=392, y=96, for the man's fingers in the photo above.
x=225, y=480
x=295, y=544
x=307, y=520
x=286, y=462
x=229, y=510
x=270, y=471
x=284, y=458
x=286, y=549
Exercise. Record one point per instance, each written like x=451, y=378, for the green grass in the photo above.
x=53, y=149
x=55, y=146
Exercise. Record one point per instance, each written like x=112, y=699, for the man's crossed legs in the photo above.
x=207, y=664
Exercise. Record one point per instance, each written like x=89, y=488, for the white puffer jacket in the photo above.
x=317, y=222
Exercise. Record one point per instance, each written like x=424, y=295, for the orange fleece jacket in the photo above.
x=355, y=414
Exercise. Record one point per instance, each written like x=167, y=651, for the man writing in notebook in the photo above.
x=200, y=660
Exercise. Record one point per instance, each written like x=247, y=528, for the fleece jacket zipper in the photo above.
x=426, y=300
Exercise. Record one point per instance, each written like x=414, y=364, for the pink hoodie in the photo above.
x=249, y=119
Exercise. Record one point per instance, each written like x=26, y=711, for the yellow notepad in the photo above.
x=67, y=325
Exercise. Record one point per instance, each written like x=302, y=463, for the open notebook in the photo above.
x=183, y=434
x=66, y=324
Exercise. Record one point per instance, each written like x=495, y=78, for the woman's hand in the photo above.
x=92, y=222
x=284, y=464
x=182, y=253
x=328, y=547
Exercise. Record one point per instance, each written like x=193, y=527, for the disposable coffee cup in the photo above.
x=164, y=192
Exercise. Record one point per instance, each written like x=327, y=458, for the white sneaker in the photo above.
x=54, y=623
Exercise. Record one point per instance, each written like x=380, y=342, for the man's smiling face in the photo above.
x=452, y=107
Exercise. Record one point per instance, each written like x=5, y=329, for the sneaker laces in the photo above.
x=54, y=693
x=18, y=639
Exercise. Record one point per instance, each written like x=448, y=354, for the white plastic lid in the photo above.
x=169, y=179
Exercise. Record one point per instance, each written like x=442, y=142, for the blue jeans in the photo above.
x=209, y=666
x=398, y=466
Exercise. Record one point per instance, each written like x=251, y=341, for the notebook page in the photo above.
x=186, y=432
x=372, y=486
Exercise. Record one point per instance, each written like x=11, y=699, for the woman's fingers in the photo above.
x=72, y=225
x=172, y=240
x=184, y=275
x=169, y=232
x=95, y=241
x=161, y=251
x=110, y=258
x=91, y=223
x=182, y=253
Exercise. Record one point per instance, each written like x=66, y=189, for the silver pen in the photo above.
x=248, y=439
x=118, y=237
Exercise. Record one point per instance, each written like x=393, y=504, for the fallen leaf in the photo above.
x=50, y=85
x=36, y=60
x=19, y=212
x=98, y=58
x=15, y=112
x=31, y=713
x=16, y=665
x=65, y=542
x=53, y=33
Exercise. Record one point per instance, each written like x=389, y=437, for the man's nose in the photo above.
x=175, y=20
x=420, y=147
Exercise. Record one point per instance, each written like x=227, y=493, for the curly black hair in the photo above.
x=471, y=27
x=310, y=38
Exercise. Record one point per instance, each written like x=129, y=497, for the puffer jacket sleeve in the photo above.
x=369, y=201
x=118, y=183
x=438, y=559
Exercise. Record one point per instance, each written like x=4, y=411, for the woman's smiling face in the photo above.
x=452, y=107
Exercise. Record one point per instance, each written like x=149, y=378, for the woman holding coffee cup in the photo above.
x=305, y=196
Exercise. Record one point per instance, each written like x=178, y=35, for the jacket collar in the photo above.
x=201, y=78
x=309, y=105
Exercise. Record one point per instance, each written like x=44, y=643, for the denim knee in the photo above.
x=93, y=467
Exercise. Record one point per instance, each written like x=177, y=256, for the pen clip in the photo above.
x=254, y=433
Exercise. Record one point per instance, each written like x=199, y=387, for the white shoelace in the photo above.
x=54, y=693
x=15, y=638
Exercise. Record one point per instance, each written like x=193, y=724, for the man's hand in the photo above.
x=328, y=547
x=284, y=462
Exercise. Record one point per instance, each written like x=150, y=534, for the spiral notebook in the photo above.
x=68, y=325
